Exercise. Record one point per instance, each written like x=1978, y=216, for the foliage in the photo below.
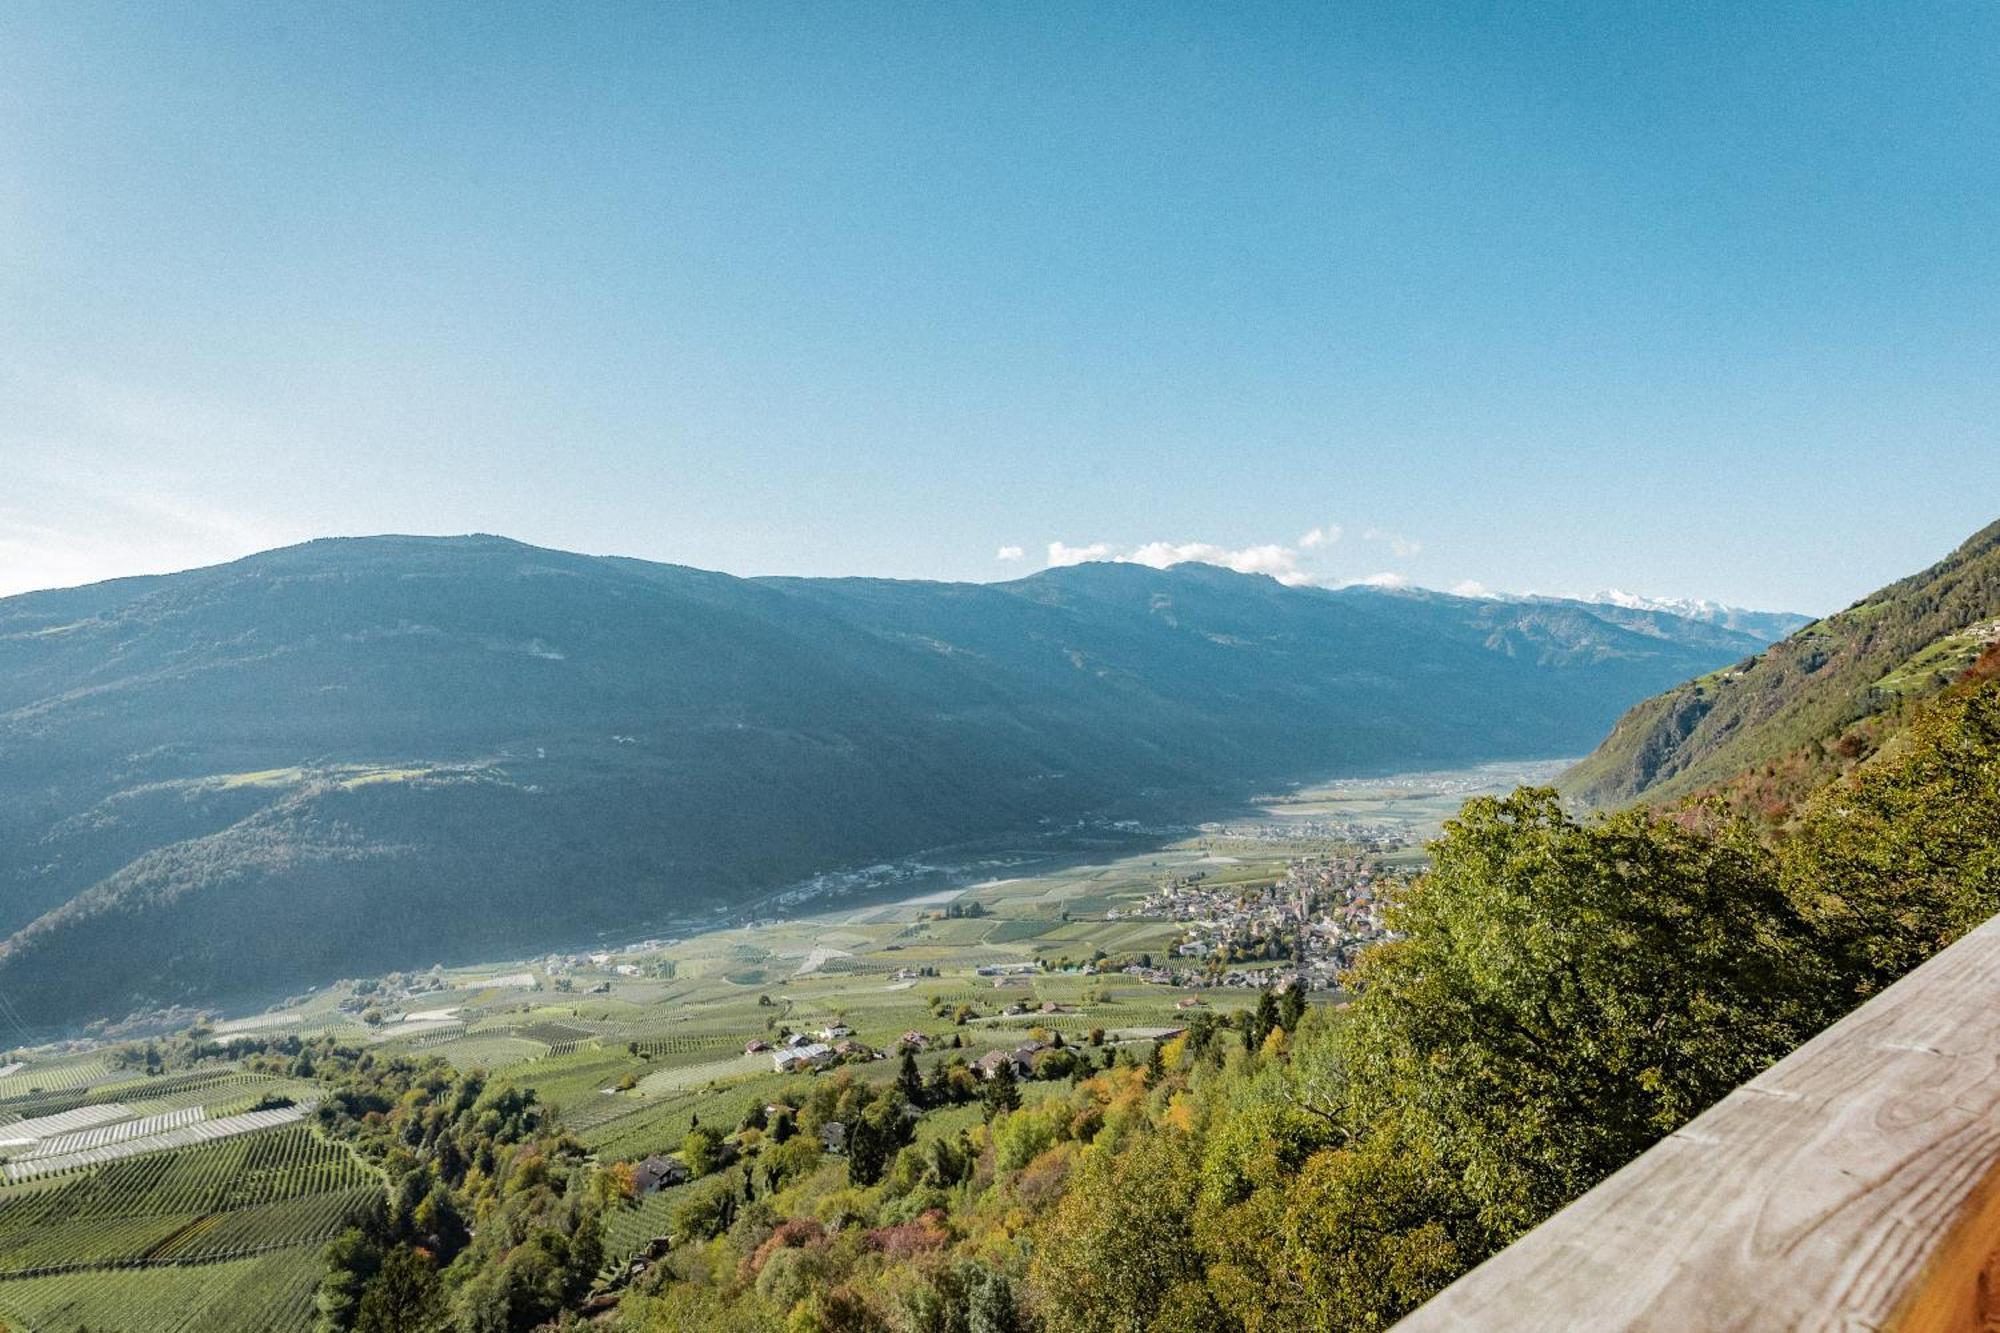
x=478, y=1182
x=1561, y=992
x=1770, y=730
x=1903, y=859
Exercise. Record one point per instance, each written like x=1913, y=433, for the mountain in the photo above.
x=361, y=754
x=1770, y=728
x=1766, y=625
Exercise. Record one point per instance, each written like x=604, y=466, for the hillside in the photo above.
x=370, y=753
x=1774, y=726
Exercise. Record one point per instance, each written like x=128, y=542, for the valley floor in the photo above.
x=635, y=1045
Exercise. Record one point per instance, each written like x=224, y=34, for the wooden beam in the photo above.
x=1851, y=1186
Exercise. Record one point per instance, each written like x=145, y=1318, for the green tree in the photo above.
x=1292, y=1008
x=1565, y=993
x=403, y=1297
x=873, y=1138
x=783, y=1125
x=1266, y=1019
x=1002, y=1092
x=352, y=1259
x=1118, y=1254
x=910, y=1080
x=1902, y=859
x=701, y=1149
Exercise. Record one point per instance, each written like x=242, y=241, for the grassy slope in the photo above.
x=1771, y=728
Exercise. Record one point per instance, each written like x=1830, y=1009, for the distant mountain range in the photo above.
x=1767, y=625
x=1765, y=731
x=360, y=754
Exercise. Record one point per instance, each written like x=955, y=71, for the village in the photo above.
x=1309, y=926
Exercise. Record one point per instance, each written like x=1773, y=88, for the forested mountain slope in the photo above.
x=366, y=753
x=1772, y=727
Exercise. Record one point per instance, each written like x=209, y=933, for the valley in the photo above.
x=635, y=1044
x=219, y=785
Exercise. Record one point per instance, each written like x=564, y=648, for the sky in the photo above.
x=1691, y=299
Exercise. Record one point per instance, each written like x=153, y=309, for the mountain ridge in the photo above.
x=361, y=753
x=1767, y=730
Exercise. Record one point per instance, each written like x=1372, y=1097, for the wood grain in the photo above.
x=1851, y=1186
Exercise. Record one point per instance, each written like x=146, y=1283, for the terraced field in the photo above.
x=628, y=1230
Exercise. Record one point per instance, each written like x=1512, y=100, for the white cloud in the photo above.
x=1009, y=553
x=1280, y=562
x=1400, y=546
x=1318, y=537
x=1472, y=588
x=1289, y=565
x=1061, y=553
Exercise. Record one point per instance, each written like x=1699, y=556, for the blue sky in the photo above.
x=1684, y=299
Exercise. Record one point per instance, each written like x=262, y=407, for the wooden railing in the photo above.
x=1853, y=1185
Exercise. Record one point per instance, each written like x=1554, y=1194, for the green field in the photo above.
x=226, y=1235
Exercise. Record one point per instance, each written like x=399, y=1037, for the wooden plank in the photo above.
x=1851, y=1186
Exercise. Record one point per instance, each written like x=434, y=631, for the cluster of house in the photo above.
x=616, y=962
x=1325, y=908
x=387, y=992
x=831, y=1045
x=1021, y=1060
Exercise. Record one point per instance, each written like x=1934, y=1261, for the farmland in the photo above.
x=166, y=1201
x=132, y=1195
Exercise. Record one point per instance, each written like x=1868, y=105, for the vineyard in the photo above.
x=171, y=1220
x=184, y=1133
x=60, y=1076
x=147, y=1093
x=258, y=1192
x=629, y=1228
x=272, y=1292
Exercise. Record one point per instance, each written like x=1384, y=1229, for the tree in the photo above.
x=1292, y=1007
x=910, y=1080
x=404, y=1297
x=1002, y=1092
x=702, y=1150
x=440, y=1225
x=706, y=1212
x=352, y=1260
x=991, y=1303
x=783, y=1126
x=873, y=1138
x=1201, y=1042
x=1264, y=1020
x=1119, y=1252
x=1565, y=993
x=1904, y=857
